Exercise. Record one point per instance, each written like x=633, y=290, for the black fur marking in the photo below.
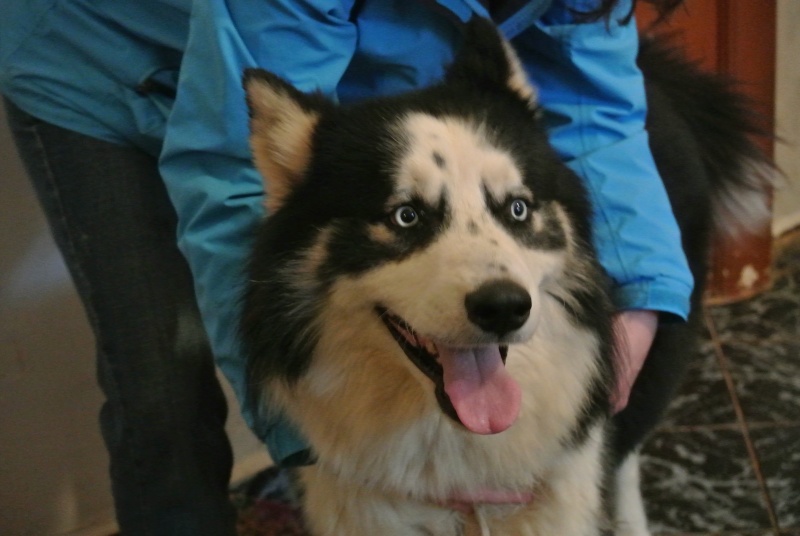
x=472, y=227
x=279, y=345
x=353, y=251
x=551, y=236
x=439, y=160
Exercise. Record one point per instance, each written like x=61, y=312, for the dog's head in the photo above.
x=419, y=234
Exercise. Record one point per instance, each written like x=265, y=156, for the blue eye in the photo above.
x=405, y=216
x=519, y=209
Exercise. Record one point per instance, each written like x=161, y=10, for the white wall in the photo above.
x=787, y=116
x=53, y=465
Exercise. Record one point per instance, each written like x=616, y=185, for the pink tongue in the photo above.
x=482, y=392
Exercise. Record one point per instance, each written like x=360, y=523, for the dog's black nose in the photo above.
x=498, y=306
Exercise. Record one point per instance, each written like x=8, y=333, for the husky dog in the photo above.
x=427, y=307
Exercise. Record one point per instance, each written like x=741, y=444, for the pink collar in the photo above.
x=466, y=502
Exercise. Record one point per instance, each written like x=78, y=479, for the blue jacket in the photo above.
x=68, y=63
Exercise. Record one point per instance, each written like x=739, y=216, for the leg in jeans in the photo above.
x=164, y=415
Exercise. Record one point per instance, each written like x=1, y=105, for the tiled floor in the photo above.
x=727, y=458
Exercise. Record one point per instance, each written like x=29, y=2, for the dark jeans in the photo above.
x=164, y=415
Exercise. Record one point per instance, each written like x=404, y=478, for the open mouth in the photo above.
x=471, y=384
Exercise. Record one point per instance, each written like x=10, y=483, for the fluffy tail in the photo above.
x=724, y=124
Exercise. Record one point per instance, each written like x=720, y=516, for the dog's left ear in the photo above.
x=282, y=124
x=487, y=59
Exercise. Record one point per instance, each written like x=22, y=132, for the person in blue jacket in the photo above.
x=130, y=117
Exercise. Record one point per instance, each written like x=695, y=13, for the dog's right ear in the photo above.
x=282, y=124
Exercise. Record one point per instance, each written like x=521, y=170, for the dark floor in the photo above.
x=727, y=458
x=726, y=461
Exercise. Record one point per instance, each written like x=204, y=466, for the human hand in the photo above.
x=634, y=332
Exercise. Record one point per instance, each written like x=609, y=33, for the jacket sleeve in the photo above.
x=593, y=92
x=206, y=162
